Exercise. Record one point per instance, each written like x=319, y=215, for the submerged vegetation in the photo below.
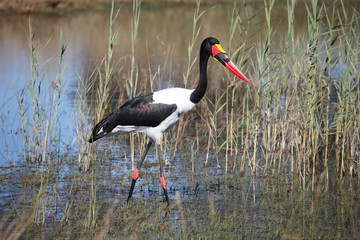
x=275, y=159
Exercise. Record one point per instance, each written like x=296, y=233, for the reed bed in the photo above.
x=304, y=96
x=298, y=121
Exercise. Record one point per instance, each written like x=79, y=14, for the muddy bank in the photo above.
x=63, y=6
x=50, y=6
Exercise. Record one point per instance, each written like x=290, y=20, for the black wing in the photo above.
x=140, y=111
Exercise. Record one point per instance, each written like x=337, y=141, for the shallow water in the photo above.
x=212, y=204
x=233, y=204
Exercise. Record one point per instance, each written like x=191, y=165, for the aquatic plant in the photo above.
x=296, y=128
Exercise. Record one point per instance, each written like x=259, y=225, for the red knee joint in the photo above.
x=136, y=174
x=163, y=182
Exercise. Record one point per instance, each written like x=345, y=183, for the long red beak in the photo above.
x=233, y=68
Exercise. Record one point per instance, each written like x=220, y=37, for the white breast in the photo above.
x=178, y=96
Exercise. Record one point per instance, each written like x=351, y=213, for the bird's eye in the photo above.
x=179, y=114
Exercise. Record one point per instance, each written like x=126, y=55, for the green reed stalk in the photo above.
x=214, y=129
x=234, y=21
x=54, y=121
x=41, y=197
x=341, y=112
x=103, y=93
x=190, y=63
x=241, y=53
x=326, y=82
x=247, y=111
x=93, y=195
x=103, y=97
x=45, y=130
x=217, y=130
x=270, y=93
x=131, y=86
x=347, y=90
x=266, y=71
x=58, y=93
x=34, y=88
x=82, y=122
x=294, y=112
x=132, y=83
x=83, y=110
x=354, y=167
x=290, y=32
x=284, y=96
x=195, y=34
x=312, y=93
x=103, y=90
x=245, y=126
x=22, y=111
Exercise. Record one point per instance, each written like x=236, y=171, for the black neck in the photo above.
x=200, y=90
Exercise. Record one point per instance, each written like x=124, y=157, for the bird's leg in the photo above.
x=163, y=181
x=137, y=169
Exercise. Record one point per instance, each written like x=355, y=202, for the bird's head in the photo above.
x=213, y=47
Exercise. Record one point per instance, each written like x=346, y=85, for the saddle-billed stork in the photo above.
x=157, y=112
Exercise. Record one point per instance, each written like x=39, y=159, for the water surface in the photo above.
x=261, y=206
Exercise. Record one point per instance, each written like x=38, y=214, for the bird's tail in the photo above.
x=96, y=134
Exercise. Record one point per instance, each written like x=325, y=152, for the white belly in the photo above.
x=156, y=132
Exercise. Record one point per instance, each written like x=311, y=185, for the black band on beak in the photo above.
x=222, y=58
